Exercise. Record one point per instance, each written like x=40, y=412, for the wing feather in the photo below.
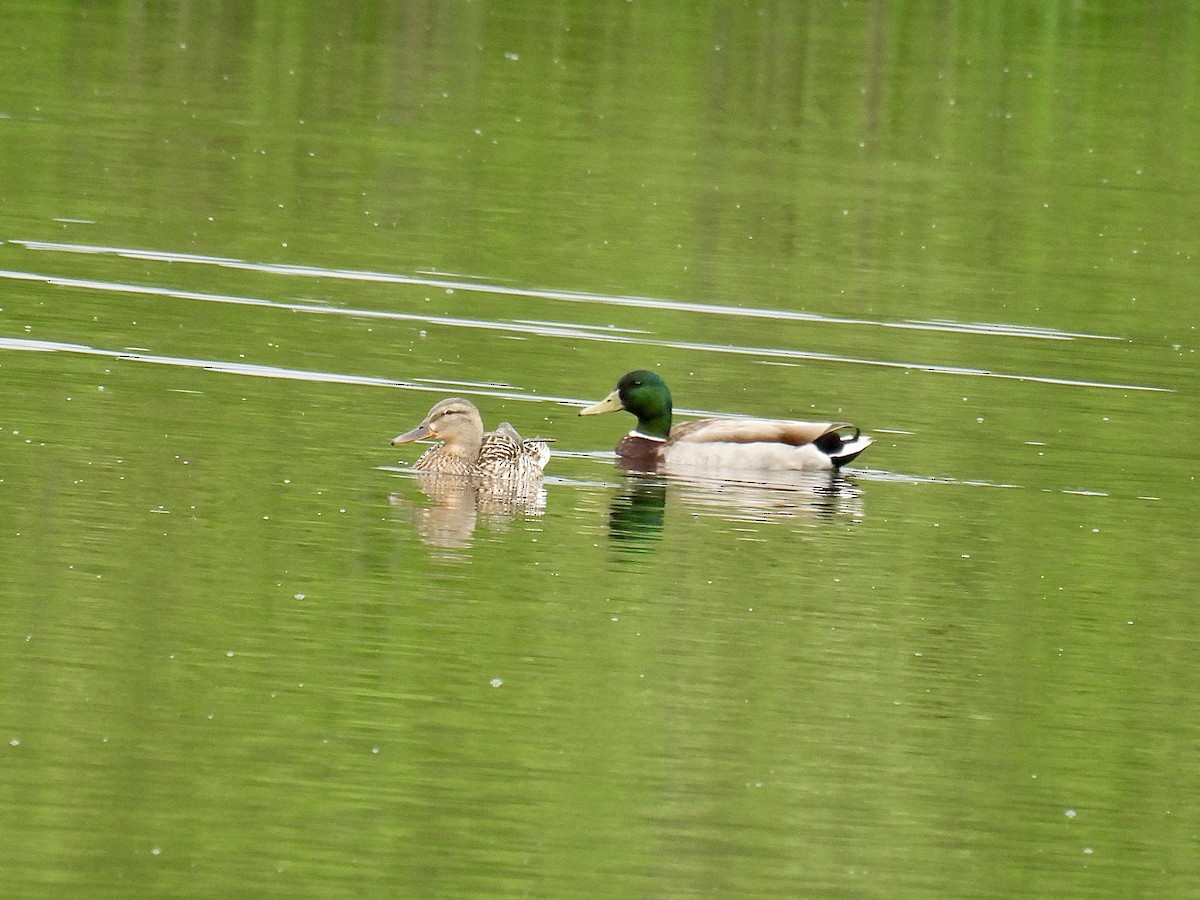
x=750, y=431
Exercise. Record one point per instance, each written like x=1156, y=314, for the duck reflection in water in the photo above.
x=459, y=501
x=638, y=513
x=469, y=472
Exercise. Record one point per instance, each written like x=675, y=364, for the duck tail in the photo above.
x=843, y=444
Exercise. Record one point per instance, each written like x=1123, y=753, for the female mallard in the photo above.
x=466, y=450
x=711, y=444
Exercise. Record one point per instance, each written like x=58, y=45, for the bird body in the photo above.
x=720, y=444
x=504, y=450
x=465, y=449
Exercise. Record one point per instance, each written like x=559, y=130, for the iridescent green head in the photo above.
x=645, y=395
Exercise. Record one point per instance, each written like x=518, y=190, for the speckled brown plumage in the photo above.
x=465, y=449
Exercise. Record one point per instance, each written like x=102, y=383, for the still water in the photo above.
x=247, y=652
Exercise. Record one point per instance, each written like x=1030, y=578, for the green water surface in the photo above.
x=245, y=654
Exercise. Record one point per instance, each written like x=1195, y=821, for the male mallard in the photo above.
x=714, y=444
x=466, y=450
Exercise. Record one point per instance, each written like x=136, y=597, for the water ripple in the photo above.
x=264, y=371
x=577, y=332
x=458, y=283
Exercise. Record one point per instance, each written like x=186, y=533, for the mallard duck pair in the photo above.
x=708, y=445
x=465, y=449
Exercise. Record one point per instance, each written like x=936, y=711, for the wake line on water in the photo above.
x=577, y=332
x=264, y=371
x=484, y=287
x=564, y=330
